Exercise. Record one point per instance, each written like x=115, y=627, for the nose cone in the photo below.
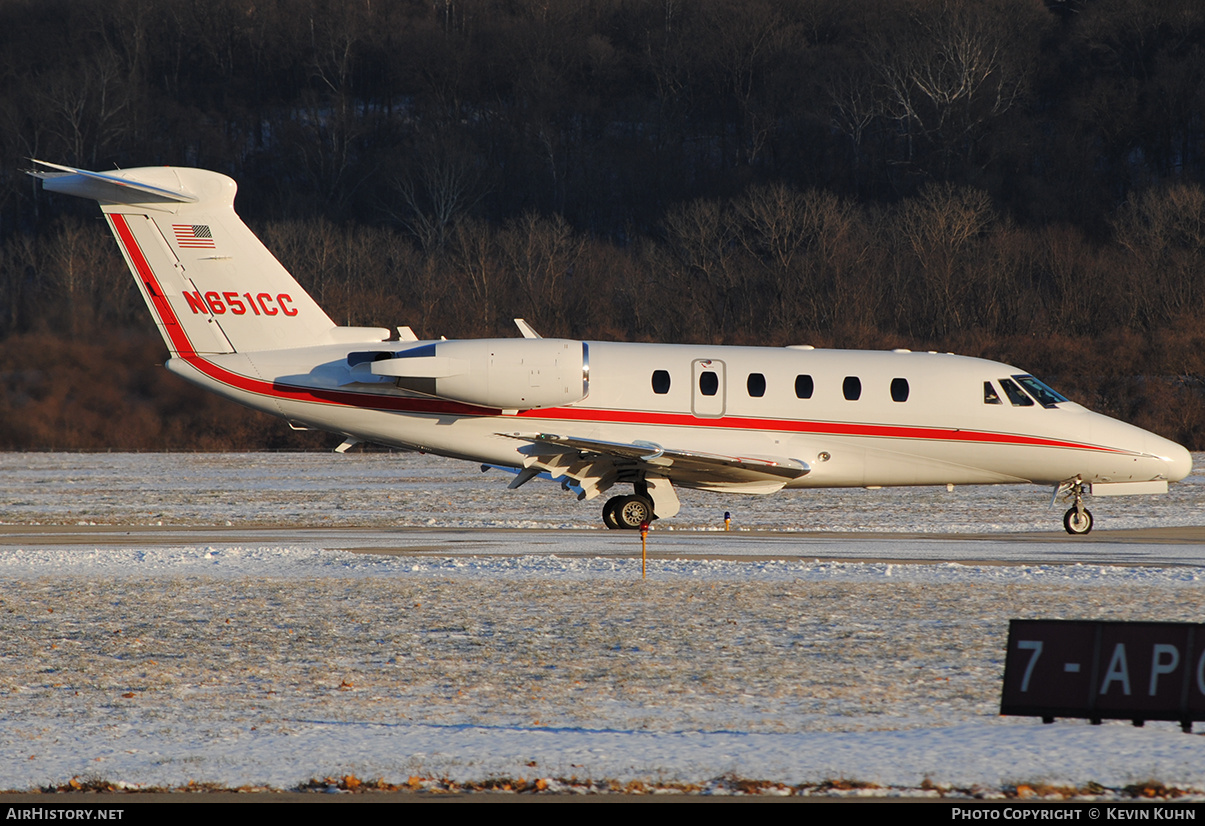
x=1176, y=457
x=1138, y=455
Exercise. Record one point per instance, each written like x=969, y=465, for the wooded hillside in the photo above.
x=1007, y=178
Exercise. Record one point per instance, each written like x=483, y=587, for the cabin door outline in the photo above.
x=709, y=389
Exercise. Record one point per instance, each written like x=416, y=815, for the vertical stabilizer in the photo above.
x=211, y=285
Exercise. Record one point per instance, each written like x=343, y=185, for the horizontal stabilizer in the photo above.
x=107, y=187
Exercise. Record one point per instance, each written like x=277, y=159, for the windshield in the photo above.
x=1015, y=394
x=1045, y=396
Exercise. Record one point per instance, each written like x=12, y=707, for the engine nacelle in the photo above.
x=506, y=373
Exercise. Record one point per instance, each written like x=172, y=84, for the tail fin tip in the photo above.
x=210, y=283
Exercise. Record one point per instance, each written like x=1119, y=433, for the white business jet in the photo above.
x=598, y=414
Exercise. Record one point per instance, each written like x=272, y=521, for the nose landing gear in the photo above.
x=1077, y=520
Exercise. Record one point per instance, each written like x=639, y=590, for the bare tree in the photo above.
x=748, y=37
x=540, y=254
x=953, y=67
x=940, y=228
x=443, y=181
x=79, y=270
x=89, y=106
x=1163, y=232
x=700, y=235
x=855, y=107
x=474, y=253
x=19, y=259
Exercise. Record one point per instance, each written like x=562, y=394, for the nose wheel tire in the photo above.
x=1077, y=522
x=627, y=512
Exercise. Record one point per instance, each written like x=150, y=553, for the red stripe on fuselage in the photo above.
x=883, y=431
x=184, y=349
x=163, y=309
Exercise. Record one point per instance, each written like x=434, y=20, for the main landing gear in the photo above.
x=653, y=497
x=627, y=512
x=1078, y=519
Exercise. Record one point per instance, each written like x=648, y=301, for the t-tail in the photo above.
x=211, y=285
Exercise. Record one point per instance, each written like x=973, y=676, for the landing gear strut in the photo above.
x=1078, y=519
x=627, y=512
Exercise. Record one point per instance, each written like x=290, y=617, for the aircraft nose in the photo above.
x=1176, y=457
x=1152, y=456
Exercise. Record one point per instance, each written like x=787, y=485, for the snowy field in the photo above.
x=504, y=634
x=406, y=489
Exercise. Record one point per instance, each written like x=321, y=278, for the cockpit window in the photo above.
x=1015, y=394
x=989, y=394
x=1045, y=396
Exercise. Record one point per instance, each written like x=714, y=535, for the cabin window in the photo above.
x=1045, y=396
x=1015, y=394
x=852, y=388
x=804, y=386
x=989, y=394
x=661, y=382
x=899, y=390
x=709, y=383
x=756, y=385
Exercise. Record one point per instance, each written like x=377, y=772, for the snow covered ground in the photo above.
x=259, y=654
x=371, y=489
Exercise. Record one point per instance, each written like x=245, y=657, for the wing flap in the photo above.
x=688, y=466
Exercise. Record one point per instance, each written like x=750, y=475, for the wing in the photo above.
x=595, y=465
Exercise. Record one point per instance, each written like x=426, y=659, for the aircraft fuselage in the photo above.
x=941, y=430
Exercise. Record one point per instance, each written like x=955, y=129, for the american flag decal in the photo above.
x=193, y=236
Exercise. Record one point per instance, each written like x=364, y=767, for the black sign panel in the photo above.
x=1105, y=670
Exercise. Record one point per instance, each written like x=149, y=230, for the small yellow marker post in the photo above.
x=644, y=549
x=727, y=521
